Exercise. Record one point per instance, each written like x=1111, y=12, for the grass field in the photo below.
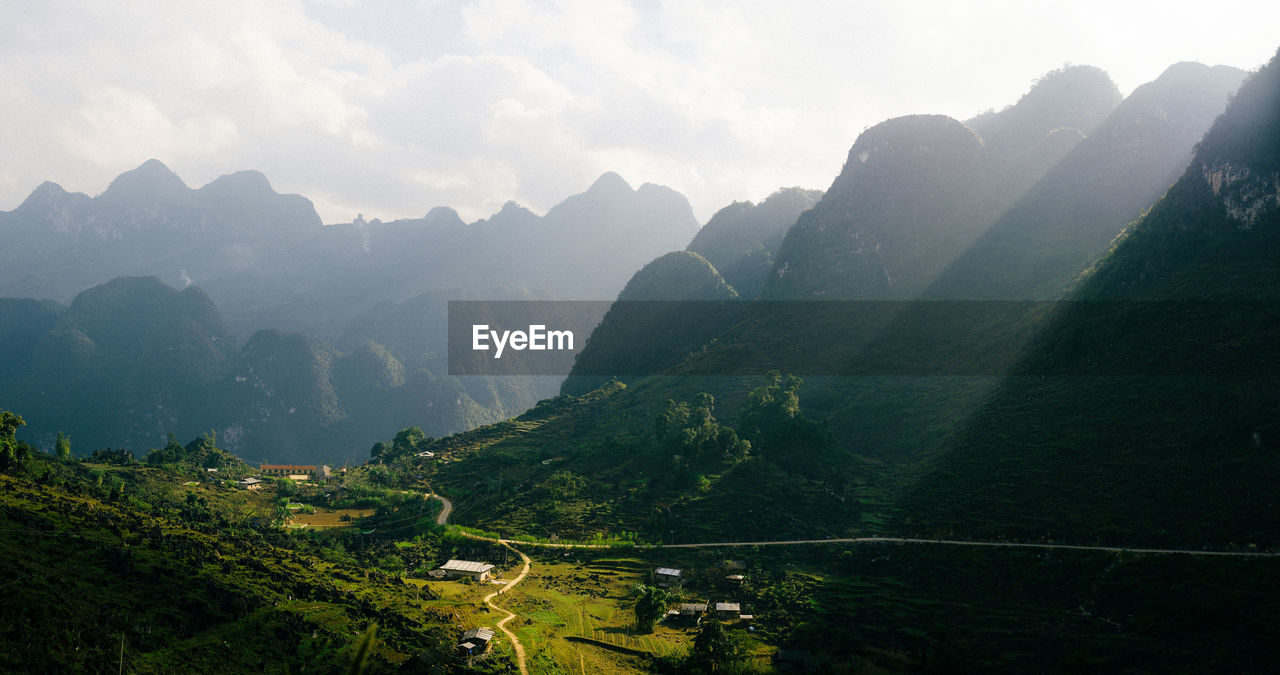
x=325, y=518
x=574, y=616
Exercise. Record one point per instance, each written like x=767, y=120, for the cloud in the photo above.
x=392, y=108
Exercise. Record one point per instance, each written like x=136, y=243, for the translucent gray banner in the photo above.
x=864, y=338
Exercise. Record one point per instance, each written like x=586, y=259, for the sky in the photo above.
x=390, y=108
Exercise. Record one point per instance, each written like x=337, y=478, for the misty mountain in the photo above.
x=1186, y=455
x=741, y=239
x=916, y=191
x=855, y=446
x=122, y=362
x=912, y=191
x=268, y=262
x=653, y=325
x=1064, y=107
x=586, y=247
x=1071, y=215
x=148, y=222
x=133, y=360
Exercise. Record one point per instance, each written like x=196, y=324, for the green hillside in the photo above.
x=115, y=565
x=671, y=307
x=1183, y=455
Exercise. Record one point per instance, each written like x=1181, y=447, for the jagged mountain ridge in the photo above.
x=134, y=360
x=1069, y=218
x=886, y=431
x=1185, y=455
x=267, y=260
x=916, y=191
x=741, y=239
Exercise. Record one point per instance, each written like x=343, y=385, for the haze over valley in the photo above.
x=993, y=389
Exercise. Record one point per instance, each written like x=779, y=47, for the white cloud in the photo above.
x=392, y=108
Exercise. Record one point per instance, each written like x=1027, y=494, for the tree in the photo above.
x=408, y=440
x=12, y=451
x=286, y=488
x=62, y=447
x=691, y=432
x=770, y=408
x=650, y=607
x=771, y=420
x=713, y=651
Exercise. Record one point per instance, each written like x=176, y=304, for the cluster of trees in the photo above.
x=769, y=425
x=771, y=420
x=14, y=453
x=202, y=452
x=408, y=441
x=695, y=439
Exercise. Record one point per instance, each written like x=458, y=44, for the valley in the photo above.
x=1002, y=398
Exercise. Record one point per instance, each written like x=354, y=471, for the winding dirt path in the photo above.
x=488, y=600
x=521, y=661
x=443, y=517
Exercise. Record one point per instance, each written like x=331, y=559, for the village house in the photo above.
x=728, y=611
x=457, y=569
x=667, y=576
x=249, y=483
x=475, y=641
x=688, y=613
x=298, y=472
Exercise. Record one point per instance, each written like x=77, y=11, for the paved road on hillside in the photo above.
x=886, y=540
x=961, y=542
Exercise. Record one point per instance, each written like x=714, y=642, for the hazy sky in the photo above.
x=393, y=107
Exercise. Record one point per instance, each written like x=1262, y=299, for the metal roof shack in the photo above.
x=666, y=576
x=688, y=612
x=466, y=568
x=475, y=641
x=479, y=634
x=728, y=610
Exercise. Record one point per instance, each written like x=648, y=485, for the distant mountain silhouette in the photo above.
x=1071, y=215
x=1072, y=97
x=268, y=262
x=741, y=239
x=148, y=222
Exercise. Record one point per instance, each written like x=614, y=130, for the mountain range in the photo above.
x=858, y=449
x=1069, y=513
x=299, y=294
